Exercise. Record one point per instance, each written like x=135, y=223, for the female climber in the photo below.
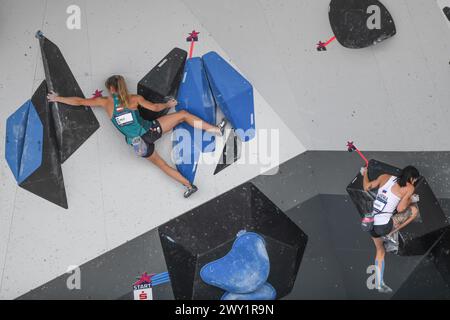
x=121, y=107
x=394, y=208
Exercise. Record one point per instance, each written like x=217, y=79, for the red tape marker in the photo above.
x=193, y=38
x=330, y=41
x=351, y=147
x=322, y=46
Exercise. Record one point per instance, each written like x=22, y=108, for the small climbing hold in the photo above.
x=321, y=46
x=39, y=34
x=98, y=93
x=193, y=36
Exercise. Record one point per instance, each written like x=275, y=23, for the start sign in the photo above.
x=143, y=292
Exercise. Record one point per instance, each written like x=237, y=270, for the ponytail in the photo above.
x=118, y=83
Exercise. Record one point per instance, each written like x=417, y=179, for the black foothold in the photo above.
x=39, y=34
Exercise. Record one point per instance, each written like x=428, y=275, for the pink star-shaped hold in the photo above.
x=350, y=146
x=98, y=93
x=193, y=36
x=144, y=279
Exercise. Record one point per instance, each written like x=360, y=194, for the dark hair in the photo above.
x=118, y=83
x=407, y=174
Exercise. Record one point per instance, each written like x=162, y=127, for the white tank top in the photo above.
x=386, y=202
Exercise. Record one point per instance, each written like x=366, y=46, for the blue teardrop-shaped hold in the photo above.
x=243, y=270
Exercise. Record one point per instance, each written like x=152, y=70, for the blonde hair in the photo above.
x=118, y=83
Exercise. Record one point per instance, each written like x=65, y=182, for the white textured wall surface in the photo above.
x=391, y=97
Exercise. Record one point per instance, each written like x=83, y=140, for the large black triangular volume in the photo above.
x=360, y=23
x=73, y=125
x=162, y=81
x=430, y=279
x=214, y=225
x=230, y=154
x=47, y=181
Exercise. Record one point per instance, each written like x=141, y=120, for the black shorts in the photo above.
x=153, y=134
x=382, y=230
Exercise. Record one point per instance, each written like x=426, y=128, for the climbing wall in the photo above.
x=329, y=97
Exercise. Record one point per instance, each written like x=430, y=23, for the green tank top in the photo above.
x=128, y=122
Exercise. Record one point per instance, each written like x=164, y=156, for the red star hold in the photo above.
x=144, y=279
x=350, y=146
x=98, y=93
x=321, y=46
x=193, y=36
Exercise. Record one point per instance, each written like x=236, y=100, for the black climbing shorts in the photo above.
x=382, y=230
x=153, y=134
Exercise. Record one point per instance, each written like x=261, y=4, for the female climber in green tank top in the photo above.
x=127, y=121
x=122, y=109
